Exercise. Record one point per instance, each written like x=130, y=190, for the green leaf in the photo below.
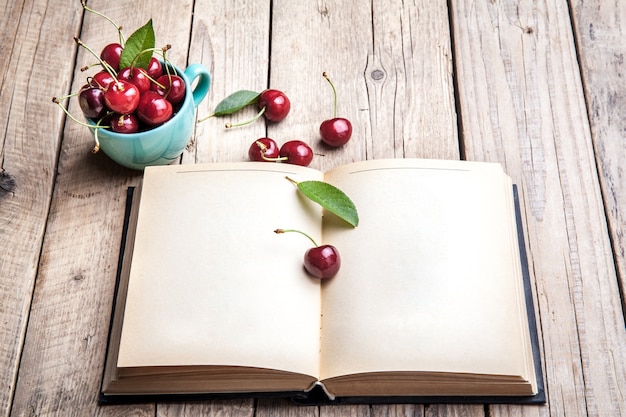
x=235, y=102
x=141, y=40
x=331, y=198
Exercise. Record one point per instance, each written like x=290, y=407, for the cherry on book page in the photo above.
x=321, y=261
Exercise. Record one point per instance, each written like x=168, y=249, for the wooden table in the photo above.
x=538, y=86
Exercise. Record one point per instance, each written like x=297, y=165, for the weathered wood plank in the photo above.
x=31, y=73
x=309, y=38
x=522, y=104
x=230, y=408
x=600, y=28
x=232, y=40
x=409, y=82
x=65, y=343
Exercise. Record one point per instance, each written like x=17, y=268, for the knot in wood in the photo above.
x=377, y=75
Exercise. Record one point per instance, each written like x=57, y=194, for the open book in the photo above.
x=431, y=301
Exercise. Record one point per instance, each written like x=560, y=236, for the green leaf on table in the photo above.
x=141, y=40
x=235, y=102
x=331, y=198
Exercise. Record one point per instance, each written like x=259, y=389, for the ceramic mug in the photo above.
x=165, y=143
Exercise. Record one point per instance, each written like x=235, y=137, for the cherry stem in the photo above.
x=230, y=125
x=58, y=103
x=263, y=149
x=161, y=51
x=117, y=27
x=104, y=64
x=207, y=117
x=279, y=231
x=86, y=67
x=325, y=75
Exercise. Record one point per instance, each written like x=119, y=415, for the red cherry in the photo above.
x=174, y=88
x=91, y=101
x=102, y=79
x=263, y=149
x=276, y=105
x=111, y=55
x=296, y=152
x=135, y=76
x=336, y=132
x=322, y=261
x=122, y=97
x=155, y=69
x=153, y=109
x=123, y=123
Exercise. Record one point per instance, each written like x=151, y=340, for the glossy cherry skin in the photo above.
x=137, y=76
x=122, y=97
x=111, y=55
x=174, y=88
x=91, y=101
x=123, y=123
x=276, y=104
x=322, y=261
x=154, y=109
x=296, y=152
x=102, y=79
x=266, y=149
x=336, y=132
x=155, y=69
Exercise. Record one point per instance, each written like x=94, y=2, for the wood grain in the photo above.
x=522, y=105
x=600, y=29
x=232, y=40
x=31, y=73
x=538, y=90
x=62, y=361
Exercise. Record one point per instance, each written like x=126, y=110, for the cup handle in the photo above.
x=201, y=89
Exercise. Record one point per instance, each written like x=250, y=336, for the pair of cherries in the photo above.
x=294, y=152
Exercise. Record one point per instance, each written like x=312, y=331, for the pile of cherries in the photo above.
x=131, y=99
x=275, y=106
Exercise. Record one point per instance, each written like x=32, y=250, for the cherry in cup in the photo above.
x=111, y=54
x=91, y=101
x=154, y=109
x=122, y=97
x=136, y=76
x=122, y=123
x=171, y=87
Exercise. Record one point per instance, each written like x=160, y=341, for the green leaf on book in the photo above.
x=235, y=102
x=331, y=198
x=141, y=40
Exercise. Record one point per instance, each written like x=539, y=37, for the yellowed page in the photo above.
x=210, y=283
x=426, y=282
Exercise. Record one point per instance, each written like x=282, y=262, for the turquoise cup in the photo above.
x=165, y=143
